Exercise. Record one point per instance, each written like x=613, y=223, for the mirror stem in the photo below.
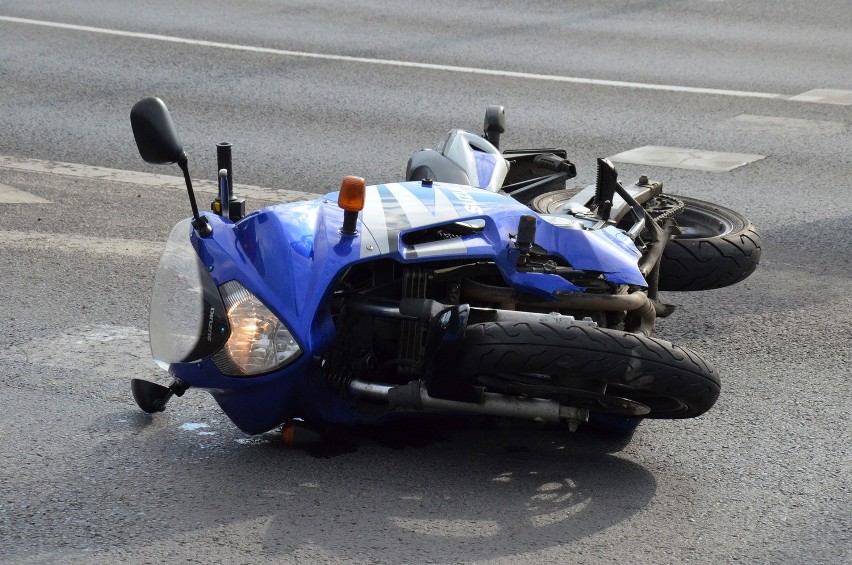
x=200, y=222
x=224, y=194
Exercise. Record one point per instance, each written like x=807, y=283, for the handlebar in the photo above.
x=556, y=164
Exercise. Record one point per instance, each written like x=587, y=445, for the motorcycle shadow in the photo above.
x=458, y=489
x=442, y=489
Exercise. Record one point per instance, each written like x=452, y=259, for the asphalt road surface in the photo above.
x=309, y=93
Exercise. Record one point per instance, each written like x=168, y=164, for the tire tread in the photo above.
x=690, y=264
x=608, y=356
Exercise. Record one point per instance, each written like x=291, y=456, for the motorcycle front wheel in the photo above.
x=612, y=368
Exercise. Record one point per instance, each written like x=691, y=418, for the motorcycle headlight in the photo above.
x=259, y=341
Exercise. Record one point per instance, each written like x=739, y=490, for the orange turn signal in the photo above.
x=297, y=434
x=352, y=191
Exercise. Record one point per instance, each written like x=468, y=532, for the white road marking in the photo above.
x=75, y=243
x=825, y=96
x=774, y=124
x=681, y=158
x=86, y=346
x=12, y=195
x=115, y=247
x=404, y=64
x=148, y=179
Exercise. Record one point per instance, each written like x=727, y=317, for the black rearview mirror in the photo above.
x=155, y=133
x=495, y=124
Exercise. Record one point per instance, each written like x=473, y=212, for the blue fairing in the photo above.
x=291, y=255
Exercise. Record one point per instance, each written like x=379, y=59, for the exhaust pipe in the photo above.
x=413, y=396
x=637, y=302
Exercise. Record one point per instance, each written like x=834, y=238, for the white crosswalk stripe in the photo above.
x=777, y=124
x=76, y=243
x=825, y=96
x=148, y=179
x=683, y=158
x=12, y=195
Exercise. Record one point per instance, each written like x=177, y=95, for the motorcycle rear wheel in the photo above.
x=718, y=247
x=552, y=202
x=672, y=381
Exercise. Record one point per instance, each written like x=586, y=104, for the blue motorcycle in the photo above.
x=479, y=285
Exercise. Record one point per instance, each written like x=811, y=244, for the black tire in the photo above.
x=672, y=381
x=719, y=247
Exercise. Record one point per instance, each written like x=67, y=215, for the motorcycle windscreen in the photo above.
x=188, y=320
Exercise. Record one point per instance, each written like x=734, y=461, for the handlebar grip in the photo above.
x=556, y=164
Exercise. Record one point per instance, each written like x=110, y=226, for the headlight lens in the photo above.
x=259, y=341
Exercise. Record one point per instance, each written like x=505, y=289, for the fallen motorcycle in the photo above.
x=479, y=285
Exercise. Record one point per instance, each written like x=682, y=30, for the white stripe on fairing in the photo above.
x=369, y=246
x=433, y=248
x=404, y=64
x=418, y=212
x=373, y=218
